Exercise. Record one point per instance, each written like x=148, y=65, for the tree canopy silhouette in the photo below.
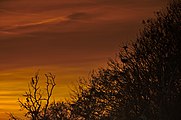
x=144, y=82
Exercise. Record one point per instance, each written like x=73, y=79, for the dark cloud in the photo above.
x=79, y=15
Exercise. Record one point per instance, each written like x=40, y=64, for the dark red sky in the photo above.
x=35, y=32
x=66, y=37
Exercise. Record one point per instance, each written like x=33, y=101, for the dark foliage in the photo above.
x=145, y=81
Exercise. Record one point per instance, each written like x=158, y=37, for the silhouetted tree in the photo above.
x=153, y=67
x=86, y=104
x=59, y=111
x=36, y=102
x=145, y=82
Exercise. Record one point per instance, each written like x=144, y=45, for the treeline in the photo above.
x=142, y=83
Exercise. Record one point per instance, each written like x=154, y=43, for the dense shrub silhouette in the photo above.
x=142, y=83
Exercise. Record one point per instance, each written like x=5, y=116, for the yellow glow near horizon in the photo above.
x=14, y=83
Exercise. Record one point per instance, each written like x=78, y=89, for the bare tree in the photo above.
x=37, y=101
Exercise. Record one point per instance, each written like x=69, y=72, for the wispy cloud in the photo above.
x=41, y=22
x=2, y=32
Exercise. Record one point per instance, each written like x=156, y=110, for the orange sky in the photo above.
x=66, y=37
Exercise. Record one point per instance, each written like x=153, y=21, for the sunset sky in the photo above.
x=66, y=37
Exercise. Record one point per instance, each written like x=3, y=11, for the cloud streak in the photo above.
x=41, y=22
